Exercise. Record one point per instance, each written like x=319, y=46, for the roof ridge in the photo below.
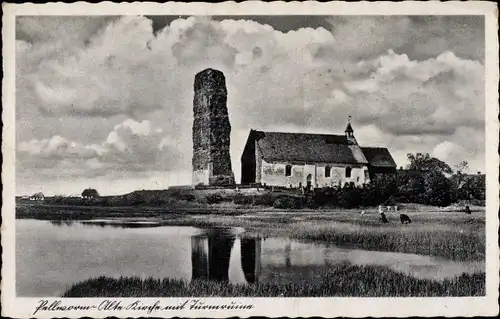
x=379, y=147
x=301, y=133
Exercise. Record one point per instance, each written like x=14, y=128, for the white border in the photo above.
x=271, y=307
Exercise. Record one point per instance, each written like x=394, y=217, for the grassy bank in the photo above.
x=70, y=212
x=341, y=281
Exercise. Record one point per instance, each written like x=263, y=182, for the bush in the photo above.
x=57, y=199
x=391, y=201
x=350, y=196
x=285, y=202
x=326, y=196
x=385, y=187
x=370, y=195
x=309, y=202
x=214, y=198
x=187, y=197
x=266, y=199
x=241, y=199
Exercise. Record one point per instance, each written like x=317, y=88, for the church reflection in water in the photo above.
x=211, y=255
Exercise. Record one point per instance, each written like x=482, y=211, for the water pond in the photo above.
x=51, y=256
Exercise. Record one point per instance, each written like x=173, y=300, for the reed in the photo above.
x=447, y=242
x=340, y=281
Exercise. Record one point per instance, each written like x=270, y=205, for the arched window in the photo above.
x=348, y=172
x=288, y=170
x=327, y=171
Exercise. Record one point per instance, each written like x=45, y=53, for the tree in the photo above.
x=426, y=182
x=460, y=181
x=350, y=196
x=437, y=189
x=90, y=193
x=411, y=185
x=462, y=167
x=424, y=162
x=386, y=185
x=461, y=173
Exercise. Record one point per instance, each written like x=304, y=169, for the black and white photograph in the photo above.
x=249, y=155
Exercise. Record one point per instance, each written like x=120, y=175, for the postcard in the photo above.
x=250, y=159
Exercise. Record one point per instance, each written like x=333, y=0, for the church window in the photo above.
x=288, y=170
x=327, y=171
x=348, y=172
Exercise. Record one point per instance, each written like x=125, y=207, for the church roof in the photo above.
x=378, y=156
x=301, y=147
x=319, y=148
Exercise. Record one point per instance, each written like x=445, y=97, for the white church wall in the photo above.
x=273, y=174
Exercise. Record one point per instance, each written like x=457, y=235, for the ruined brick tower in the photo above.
x=211, y=130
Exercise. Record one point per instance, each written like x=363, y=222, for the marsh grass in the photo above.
x=446, y=242
x=345, y=280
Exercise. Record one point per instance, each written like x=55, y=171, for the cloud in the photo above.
x=457, y=151
x=128, y=88
x=367, y=36
x=130, y=147
x=203, y=40
x=427, y=97
x=59, y=28
x=58, y=147
x=420, y=37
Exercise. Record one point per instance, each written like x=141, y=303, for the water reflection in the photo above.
x=62, y=222
x=211, y=256
x=250, y=258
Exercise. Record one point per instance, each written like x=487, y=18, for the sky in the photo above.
x=106, y=101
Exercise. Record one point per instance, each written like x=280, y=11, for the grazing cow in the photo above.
x=405, y=219
x=383, y=219
x=467, y=209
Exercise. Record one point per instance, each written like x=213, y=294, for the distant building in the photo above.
x=90, y=193
x=311, y=160
x=37, y=196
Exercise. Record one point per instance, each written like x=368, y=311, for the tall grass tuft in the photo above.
x=446, y=243
x=342, y=281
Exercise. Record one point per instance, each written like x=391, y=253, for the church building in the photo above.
x=311, y=160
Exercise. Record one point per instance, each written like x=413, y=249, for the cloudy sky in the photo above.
x=106, y=102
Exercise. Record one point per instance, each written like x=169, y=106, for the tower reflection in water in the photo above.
x=211, y=254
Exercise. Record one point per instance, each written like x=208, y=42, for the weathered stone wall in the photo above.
x=273, y=174
x=211, y=129
x=337, y=174
x=258, y=164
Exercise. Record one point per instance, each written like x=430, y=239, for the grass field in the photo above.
x=342, y=281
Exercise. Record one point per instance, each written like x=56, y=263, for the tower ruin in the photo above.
x=211, y=130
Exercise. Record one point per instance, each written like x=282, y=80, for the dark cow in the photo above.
x=405, y=219
x=467, y=209
x=383, y=219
